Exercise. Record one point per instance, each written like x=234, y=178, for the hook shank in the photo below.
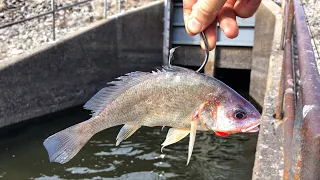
x=206, y=51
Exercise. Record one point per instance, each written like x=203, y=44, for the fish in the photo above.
x=180, y=98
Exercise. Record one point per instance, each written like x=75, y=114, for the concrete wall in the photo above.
x=264, y=87
x=69, y=72
x=225, y=57
x=263, y=48
x=233, y=57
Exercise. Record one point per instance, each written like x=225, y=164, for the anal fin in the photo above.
x=125, y=132
x=193, y=132
x=174, y=135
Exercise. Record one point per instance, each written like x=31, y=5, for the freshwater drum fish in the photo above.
x=182, y=99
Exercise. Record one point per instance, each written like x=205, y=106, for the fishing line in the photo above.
x=206, y=51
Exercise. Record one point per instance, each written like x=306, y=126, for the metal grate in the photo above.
x=55, y=10
x=181, y=37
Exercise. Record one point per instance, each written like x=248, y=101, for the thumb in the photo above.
x=199, y=15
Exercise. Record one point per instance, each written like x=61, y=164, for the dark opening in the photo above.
x=239, y=80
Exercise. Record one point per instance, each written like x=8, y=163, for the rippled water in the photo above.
x=22, y=155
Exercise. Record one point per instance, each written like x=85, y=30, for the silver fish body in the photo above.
x=176, y=97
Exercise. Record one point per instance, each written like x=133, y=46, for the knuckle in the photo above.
x=205, y=12
x=245, y=14
x=205, y=9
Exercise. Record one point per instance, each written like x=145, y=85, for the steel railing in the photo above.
x=54, y=10
x=299, y=97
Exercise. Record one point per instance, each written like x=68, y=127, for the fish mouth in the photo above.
x=253, y=128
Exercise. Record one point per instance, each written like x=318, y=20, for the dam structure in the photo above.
x=271, y=63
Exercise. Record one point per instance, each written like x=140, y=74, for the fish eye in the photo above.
x=239, y=114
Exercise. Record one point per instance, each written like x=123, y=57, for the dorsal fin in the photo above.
x=108, y=94
x=172, y=68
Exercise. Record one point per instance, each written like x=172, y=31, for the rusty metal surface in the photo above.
x=289, y=92
x=283, y=9
x=310, y=98
x=289, y=107
x=299, y=98
x=290, y=20
x=287, y=35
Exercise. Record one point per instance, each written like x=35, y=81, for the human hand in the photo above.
x=203, y=15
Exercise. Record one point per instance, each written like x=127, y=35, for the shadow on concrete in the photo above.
x=69, y=72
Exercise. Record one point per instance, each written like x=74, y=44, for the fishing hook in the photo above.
x=205, y=59
x=207, y=51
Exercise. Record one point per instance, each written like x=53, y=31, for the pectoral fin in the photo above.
x=126, y=131
x=193, y=133
x=174, y=135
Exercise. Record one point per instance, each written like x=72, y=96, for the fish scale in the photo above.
x=169, y=99
x=176, y=97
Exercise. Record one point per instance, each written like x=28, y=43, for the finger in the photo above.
x=246, y=8
x=227, y=20
x=211, y=35
x=198, y=16
x=187, y=9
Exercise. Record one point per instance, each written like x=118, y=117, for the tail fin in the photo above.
x=65, y=144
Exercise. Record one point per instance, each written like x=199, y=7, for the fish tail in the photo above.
x=65, y=144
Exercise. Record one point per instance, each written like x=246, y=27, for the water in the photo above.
x=22, y=155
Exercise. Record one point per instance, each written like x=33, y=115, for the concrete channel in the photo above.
x=68, y=72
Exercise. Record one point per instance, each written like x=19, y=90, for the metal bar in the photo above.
x=310, y=94
x=181, y=24
x=53, y=20
x=287, y=35
x=289, y=92
x=72, y=5
x=43, y=14
x=289, y=107
x=297, y=138
x=166, y=33
x=119, y=6
x=178, y=4
x=218, y=43
x=290, y=21
x=105, y=8
x=27, y=19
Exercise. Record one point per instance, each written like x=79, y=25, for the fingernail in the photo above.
x=194, y=26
